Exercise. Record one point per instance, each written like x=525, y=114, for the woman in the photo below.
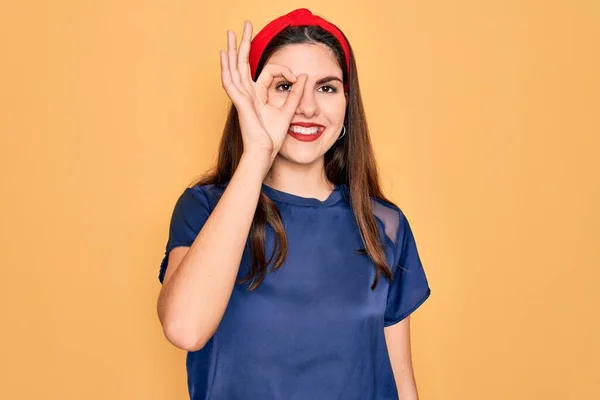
x=287, y=274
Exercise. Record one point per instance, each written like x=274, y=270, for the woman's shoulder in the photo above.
x=390, y=215
x=206, y=195
x=210, y=190
x=386, y=208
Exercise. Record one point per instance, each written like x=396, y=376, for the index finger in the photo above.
x=269, y=73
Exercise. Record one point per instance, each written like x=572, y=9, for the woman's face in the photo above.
x=319, y=116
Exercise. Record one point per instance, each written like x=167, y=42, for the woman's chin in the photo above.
x=300, y=156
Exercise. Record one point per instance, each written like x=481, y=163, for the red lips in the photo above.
x=306, y=124
x=306, y=138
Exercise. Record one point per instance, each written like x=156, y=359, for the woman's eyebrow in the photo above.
x=328, y=79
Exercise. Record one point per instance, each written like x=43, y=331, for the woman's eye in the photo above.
x=284, y=87
x=328, y=89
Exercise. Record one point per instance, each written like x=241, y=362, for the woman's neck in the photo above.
x=305, y=180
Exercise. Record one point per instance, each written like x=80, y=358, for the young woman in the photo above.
x=287, y=273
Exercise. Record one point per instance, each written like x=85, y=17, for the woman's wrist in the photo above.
x=256, y=160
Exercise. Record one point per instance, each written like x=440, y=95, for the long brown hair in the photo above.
x=360, y=174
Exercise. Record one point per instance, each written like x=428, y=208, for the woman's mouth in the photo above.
x=306, y=132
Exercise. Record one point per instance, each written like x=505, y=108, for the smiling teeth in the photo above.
x=304, y=131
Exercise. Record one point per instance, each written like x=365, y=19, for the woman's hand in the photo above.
x=264, y=127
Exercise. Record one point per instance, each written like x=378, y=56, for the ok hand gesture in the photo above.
x=264, y=126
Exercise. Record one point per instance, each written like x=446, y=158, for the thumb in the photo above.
x=293, y=98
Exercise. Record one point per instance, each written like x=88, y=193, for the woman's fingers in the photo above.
x=226, y=79
x=272, y=70
x=295, y=95
x=243, y=63
x=268, y=74
x=237, y=80
x=233, y=58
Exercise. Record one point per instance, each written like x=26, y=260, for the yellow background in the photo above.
x=484, y=117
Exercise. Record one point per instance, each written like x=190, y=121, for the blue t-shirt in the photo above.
x=313, y=330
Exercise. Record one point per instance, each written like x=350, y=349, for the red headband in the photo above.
x=301, y=16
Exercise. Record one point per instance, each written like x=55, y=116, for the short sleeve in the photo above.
x=191, y=211
x=409, y=287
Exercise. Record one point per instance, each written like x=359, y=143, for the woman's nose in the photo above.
x=308, y=105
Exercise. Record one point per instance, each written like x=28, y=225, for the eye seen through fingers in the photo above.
x=285, y=86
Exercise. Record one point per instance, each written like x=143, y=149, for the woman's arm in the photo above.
x=397, y=338
x=199, y=280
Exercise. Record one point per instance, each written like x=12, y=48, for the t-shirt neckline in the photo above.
x=284, y=197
